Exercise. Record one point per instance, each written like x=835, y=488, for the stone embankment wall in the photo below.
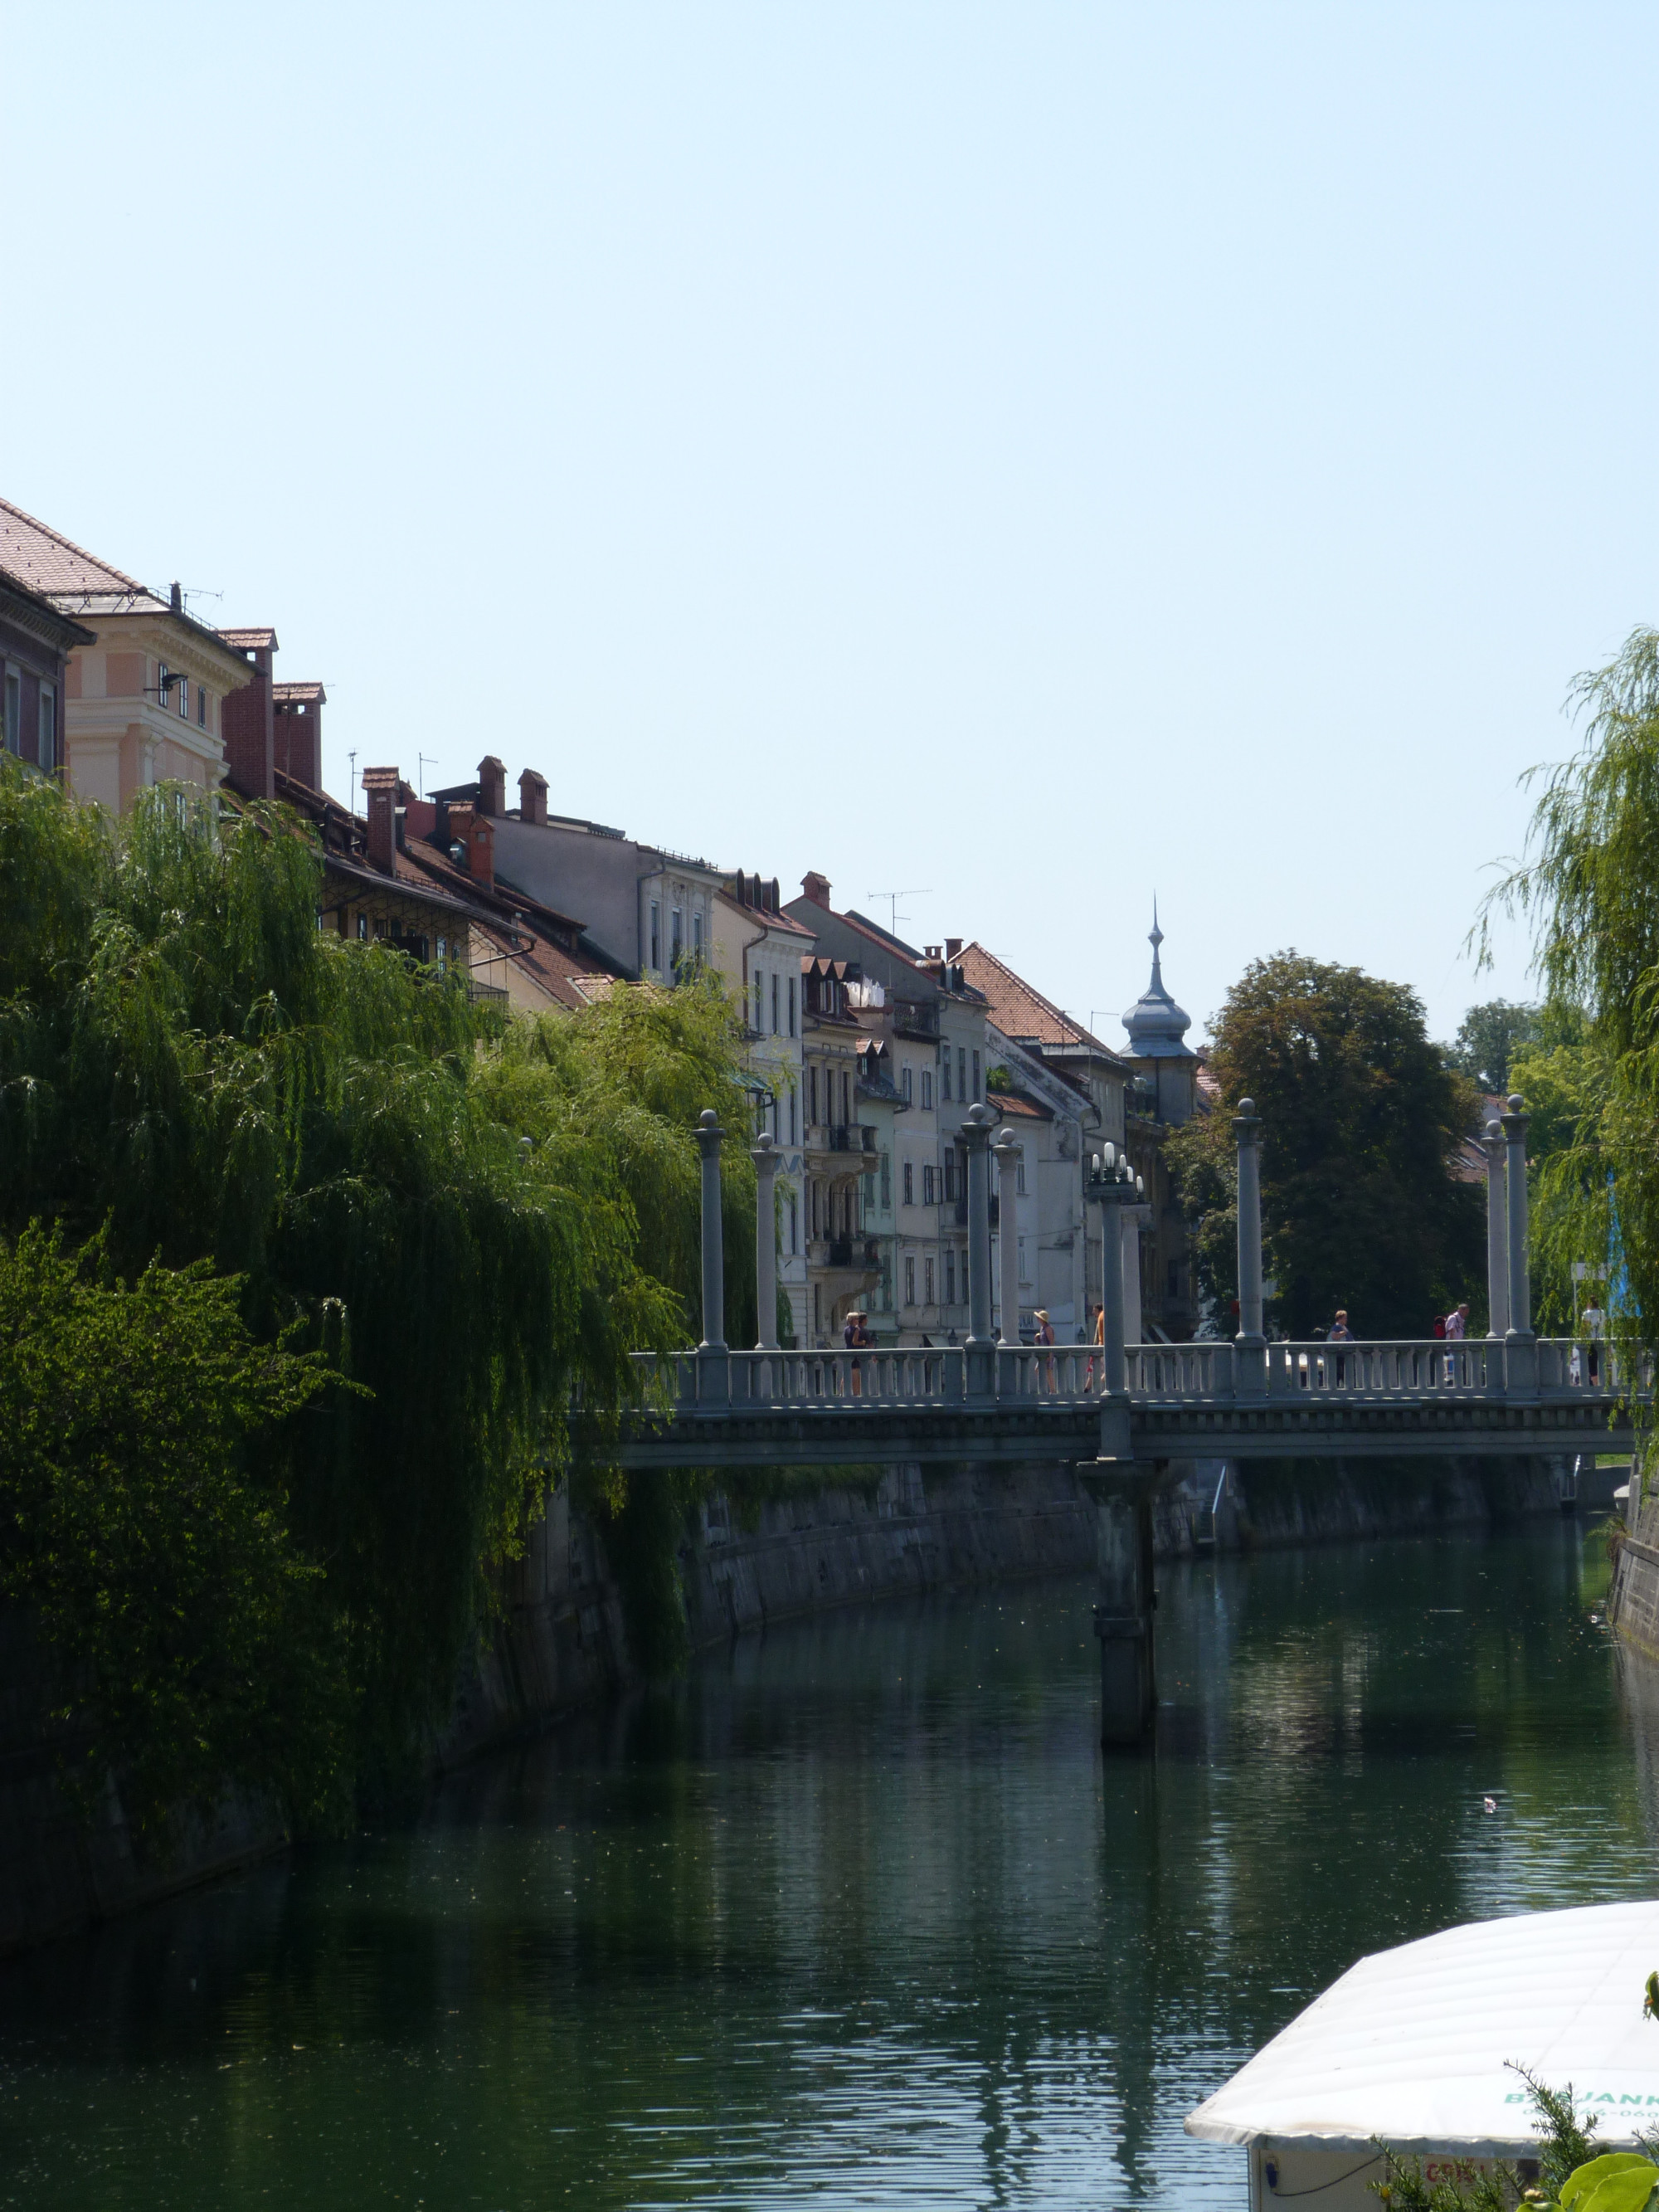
x=1633, y=1601
x=561, y=1643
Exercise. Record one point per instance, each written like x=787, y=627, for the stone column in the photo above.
x=714, y=1376
x=1519, y=1344
x=980, y=1346
x=1497, y=1235
x=765, y=1154
x=1124, y=1602
x=1133, y=1326
x=1250, y=1341
x=1006, y=1152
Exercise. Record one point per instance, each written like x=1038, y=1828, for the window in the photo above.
x=904, y=1081
x=817, y=1309
x=910, y=1279
x=759, y=1008
x=362, y=928
x=164, y=677
x=14, y=711
x=812, y=1093
x=791, y=1006
x=1019, y=1175
x=792, y=1117
x=814, y=1223
x=945, y=1075
x=846, y=1096
x=928, y=1281
x=697, y=937
x=909, y=1189
x=794, y=1226
x=1023, y=1276
x=47, y=755
x=978, y=1092
x=951, y=1175
x=443, y=952
x=184, y=699
x=950, y=1276
x=656, y=934
x=200, y=708
x=886, y=1183
x=775, y=1006
x=870, y=1192
x=928, y=1189
x=927, y=1090
x=961, y=1073
x=675, y=939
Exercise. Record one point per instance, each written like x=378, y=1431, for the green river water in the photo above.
x=859, y=1914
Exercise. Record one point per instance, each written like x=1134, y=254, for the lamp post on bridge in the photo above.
x=765, y=1154
x=714, y=1372
x=1519, y=1344
x=1250, y=1343
x=1113, y=1184
x=1497, y=1236
x=979, y=1348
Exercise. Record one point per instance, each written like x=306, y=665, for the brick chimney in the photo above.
x=246, y=717
x=380, y=795
x=298, y=731
x=532, y=797
x=470, y=830
x=815, y=887
x=492, y=786
x=953, y=948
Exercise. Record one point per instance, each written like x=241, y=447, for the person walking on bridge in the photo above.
x=1457, y=1327
x=1339, y=1332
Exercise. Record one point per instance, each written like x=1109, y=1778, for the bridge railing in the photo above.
x=1429, y=1367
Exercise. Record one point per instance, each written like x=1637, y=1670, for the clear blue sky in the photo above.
x=1028, y=456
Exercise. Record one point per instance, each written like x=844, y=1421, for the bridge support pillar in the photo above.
x=980, y=1345
x=765, y=1155
x=713, y=1366
x=1122, y=1492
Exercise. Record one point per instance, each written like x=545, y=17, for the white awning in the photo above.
x=1413, y=2046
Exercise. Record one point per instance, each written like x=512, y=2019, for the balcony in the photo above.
x=848, y=1137
x=916, y=1018
x=862, y=1252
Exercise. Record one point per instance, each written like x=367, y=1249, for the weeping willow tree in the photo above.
x=1588, y=885
x=466, y=1216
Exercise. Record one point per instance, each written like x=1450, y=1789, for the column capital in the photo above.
x=1004, y=1143
x=765, y=1151
x=1246, y=1122
x=1516, y=1120
x=977, y=1124
x=708, y=1132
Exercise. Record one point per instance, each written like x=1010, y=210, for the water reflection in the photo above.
x=859, y=1912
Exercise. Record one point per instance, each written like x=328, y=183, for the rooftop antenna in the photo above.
x=422, y=761
x=352, y=757
x=894, y=917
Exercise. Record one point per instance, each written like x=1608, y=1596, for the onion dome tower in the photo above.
x=1158, y=1028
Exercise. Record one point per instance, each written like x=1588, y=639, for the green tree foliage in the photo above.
x=472, y=1216
x=141, y=1522
x=1487, y=1038
x=1362, y=1125
x=1589, y=886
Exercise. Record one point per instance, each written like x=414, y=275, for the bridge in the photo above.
x=1120, y=1414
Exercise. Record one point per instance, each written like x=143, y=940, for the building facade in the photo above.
x=36, y=642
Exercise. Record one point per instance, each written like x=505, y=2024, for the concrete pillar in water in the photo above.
x=1006, y=1152
x=980, y=1346
x=1250, y=1342
x=714, y=1372
x=1497, y=1233
x=1519, y=1344
x=1124, y=1600
x=765, y=1155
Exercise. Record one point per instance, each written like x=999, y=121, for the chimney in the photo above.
x=247, y=722
x=470, y=830
x=176, y=599
x=532, y=797
x=297, y=727
x=380, y=795
x=953, y=948
x=492, y=786
x=815, y=887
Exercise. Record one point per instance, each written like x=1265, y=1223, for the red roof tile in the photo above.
x=1017, y=1008
x=53, y=565
x=250, y=641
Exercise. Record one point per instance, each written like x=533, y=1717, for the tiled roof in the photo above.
x=1014, y=1105
x=768, y=917
x=250, y=641
x=313, y=694
x=1018, y=1009
x=50, y=563
x=43, y=612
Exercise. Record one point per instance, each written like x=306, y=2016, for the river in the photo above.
x=858, y=1913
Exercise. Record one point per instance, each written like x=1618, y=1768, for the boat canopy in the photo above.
x=1416, y=2047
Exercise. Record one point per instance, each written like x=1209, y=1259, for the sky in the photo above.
x=1025, y=459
